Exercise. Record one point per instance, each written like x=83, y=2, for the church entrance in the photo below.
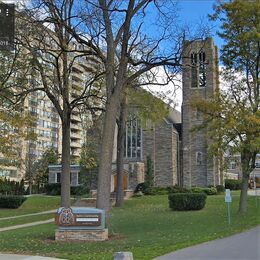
x=125, y=181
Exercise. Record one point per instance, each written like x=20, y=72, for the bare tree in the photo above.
x=117, y=34
x=57, y=62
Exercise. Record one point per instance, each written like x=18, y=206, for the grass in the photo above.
x=145, y=226
x=33, y=204
x=24, y=220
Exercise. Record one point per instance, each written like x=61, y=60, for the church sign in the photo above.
x=7, y=13
x=83, y=218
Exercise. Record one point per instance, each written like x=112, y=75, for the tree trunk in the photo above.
x=120, y=154
x=65, y=161
x=243, y=195
x=105, y=166
x=245, y=162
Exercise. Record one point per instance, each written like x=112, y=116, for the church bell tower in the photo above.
x=200, y=79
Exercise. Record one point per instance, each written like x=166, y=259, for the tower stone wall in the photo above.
x=200, y=78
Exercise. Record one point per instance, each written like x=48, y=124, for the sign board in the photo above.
x=80, y=218
x=228, y=197
x=7, y=14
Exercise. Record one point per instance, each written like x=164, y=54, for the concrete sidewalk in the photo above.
x=36, y=223
x=24, y=257
x=31, y=214
x=243, y=246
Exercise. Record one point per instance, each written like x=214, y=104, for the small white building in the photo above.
x=55, y=174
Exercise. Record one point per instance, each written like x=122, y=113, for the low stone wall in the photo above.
x=81, y=235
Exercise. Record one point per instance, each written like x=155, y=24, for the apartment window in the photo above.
x=232, y=166
x=133, y=138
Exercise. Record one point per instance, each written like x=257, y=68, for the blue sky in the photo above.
x=194, y=12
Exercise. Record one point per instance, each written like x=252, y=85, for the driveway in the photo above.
x=243, y=246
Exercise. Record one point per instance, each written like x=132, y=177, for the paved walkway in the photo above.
x=36, y=223
x=32, y=214
x=253, y=192
x=243, y=246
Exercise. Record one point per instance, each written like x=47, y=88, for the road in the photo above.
x=243, y=246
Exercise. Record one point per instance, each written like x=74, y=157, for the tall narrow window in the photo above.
x=202, y=69
x=194, y=71
x=133, y=138
x=199, y=158
x=58, y=177
x=198, y=70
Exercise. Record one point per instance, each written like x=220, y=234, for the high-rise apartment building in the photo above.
x=48, y=123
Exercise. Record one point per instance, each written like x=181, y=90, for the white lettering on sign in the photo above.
x=87, y=219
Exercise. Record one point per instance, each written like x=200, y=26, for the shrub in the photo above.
x=79, y=190
x=8, y=187
x=141, y=187
x=210, y=191
x=187, y=201
x=53, y=189
x=233, y=184
x=220, y=188
x=11, y=201
x=197, y=190
x=177, y=189
x=156, y=191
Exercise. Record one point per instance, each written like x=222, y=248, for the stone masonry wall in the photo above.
x=206, y=172
x=160, y=144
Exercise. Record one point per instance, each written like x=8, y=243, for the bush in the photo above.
x=53, y=189
x=210, y=191
x=8, y=187
x=187, y=201
x=156, y=191
x=197, y=190
x=11, y=202
x=220, y=188
x=177, y=189
x=233, y=184
x=79, y=190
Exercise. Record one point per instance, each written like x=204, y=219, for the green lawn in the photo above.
x=145, y=226
x=32, y=205
x=24, y=220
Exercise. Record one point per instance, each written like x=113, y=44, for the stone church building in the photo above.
x=179, y=156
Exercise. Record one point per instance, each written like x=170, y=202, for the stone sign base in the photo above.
x=83, y=235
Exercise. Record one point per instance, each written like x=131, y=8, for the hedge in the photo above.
x=146, y=190
x=187, y=201
x=8, y=187
x=11, y=202
x=220, y=188
x=55, y=189
x=233, y=184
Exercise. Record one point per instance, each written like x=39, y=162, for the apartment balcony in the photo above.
x=75, y=135
x=75, y=118
x=74, y=144
x=75, y=152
